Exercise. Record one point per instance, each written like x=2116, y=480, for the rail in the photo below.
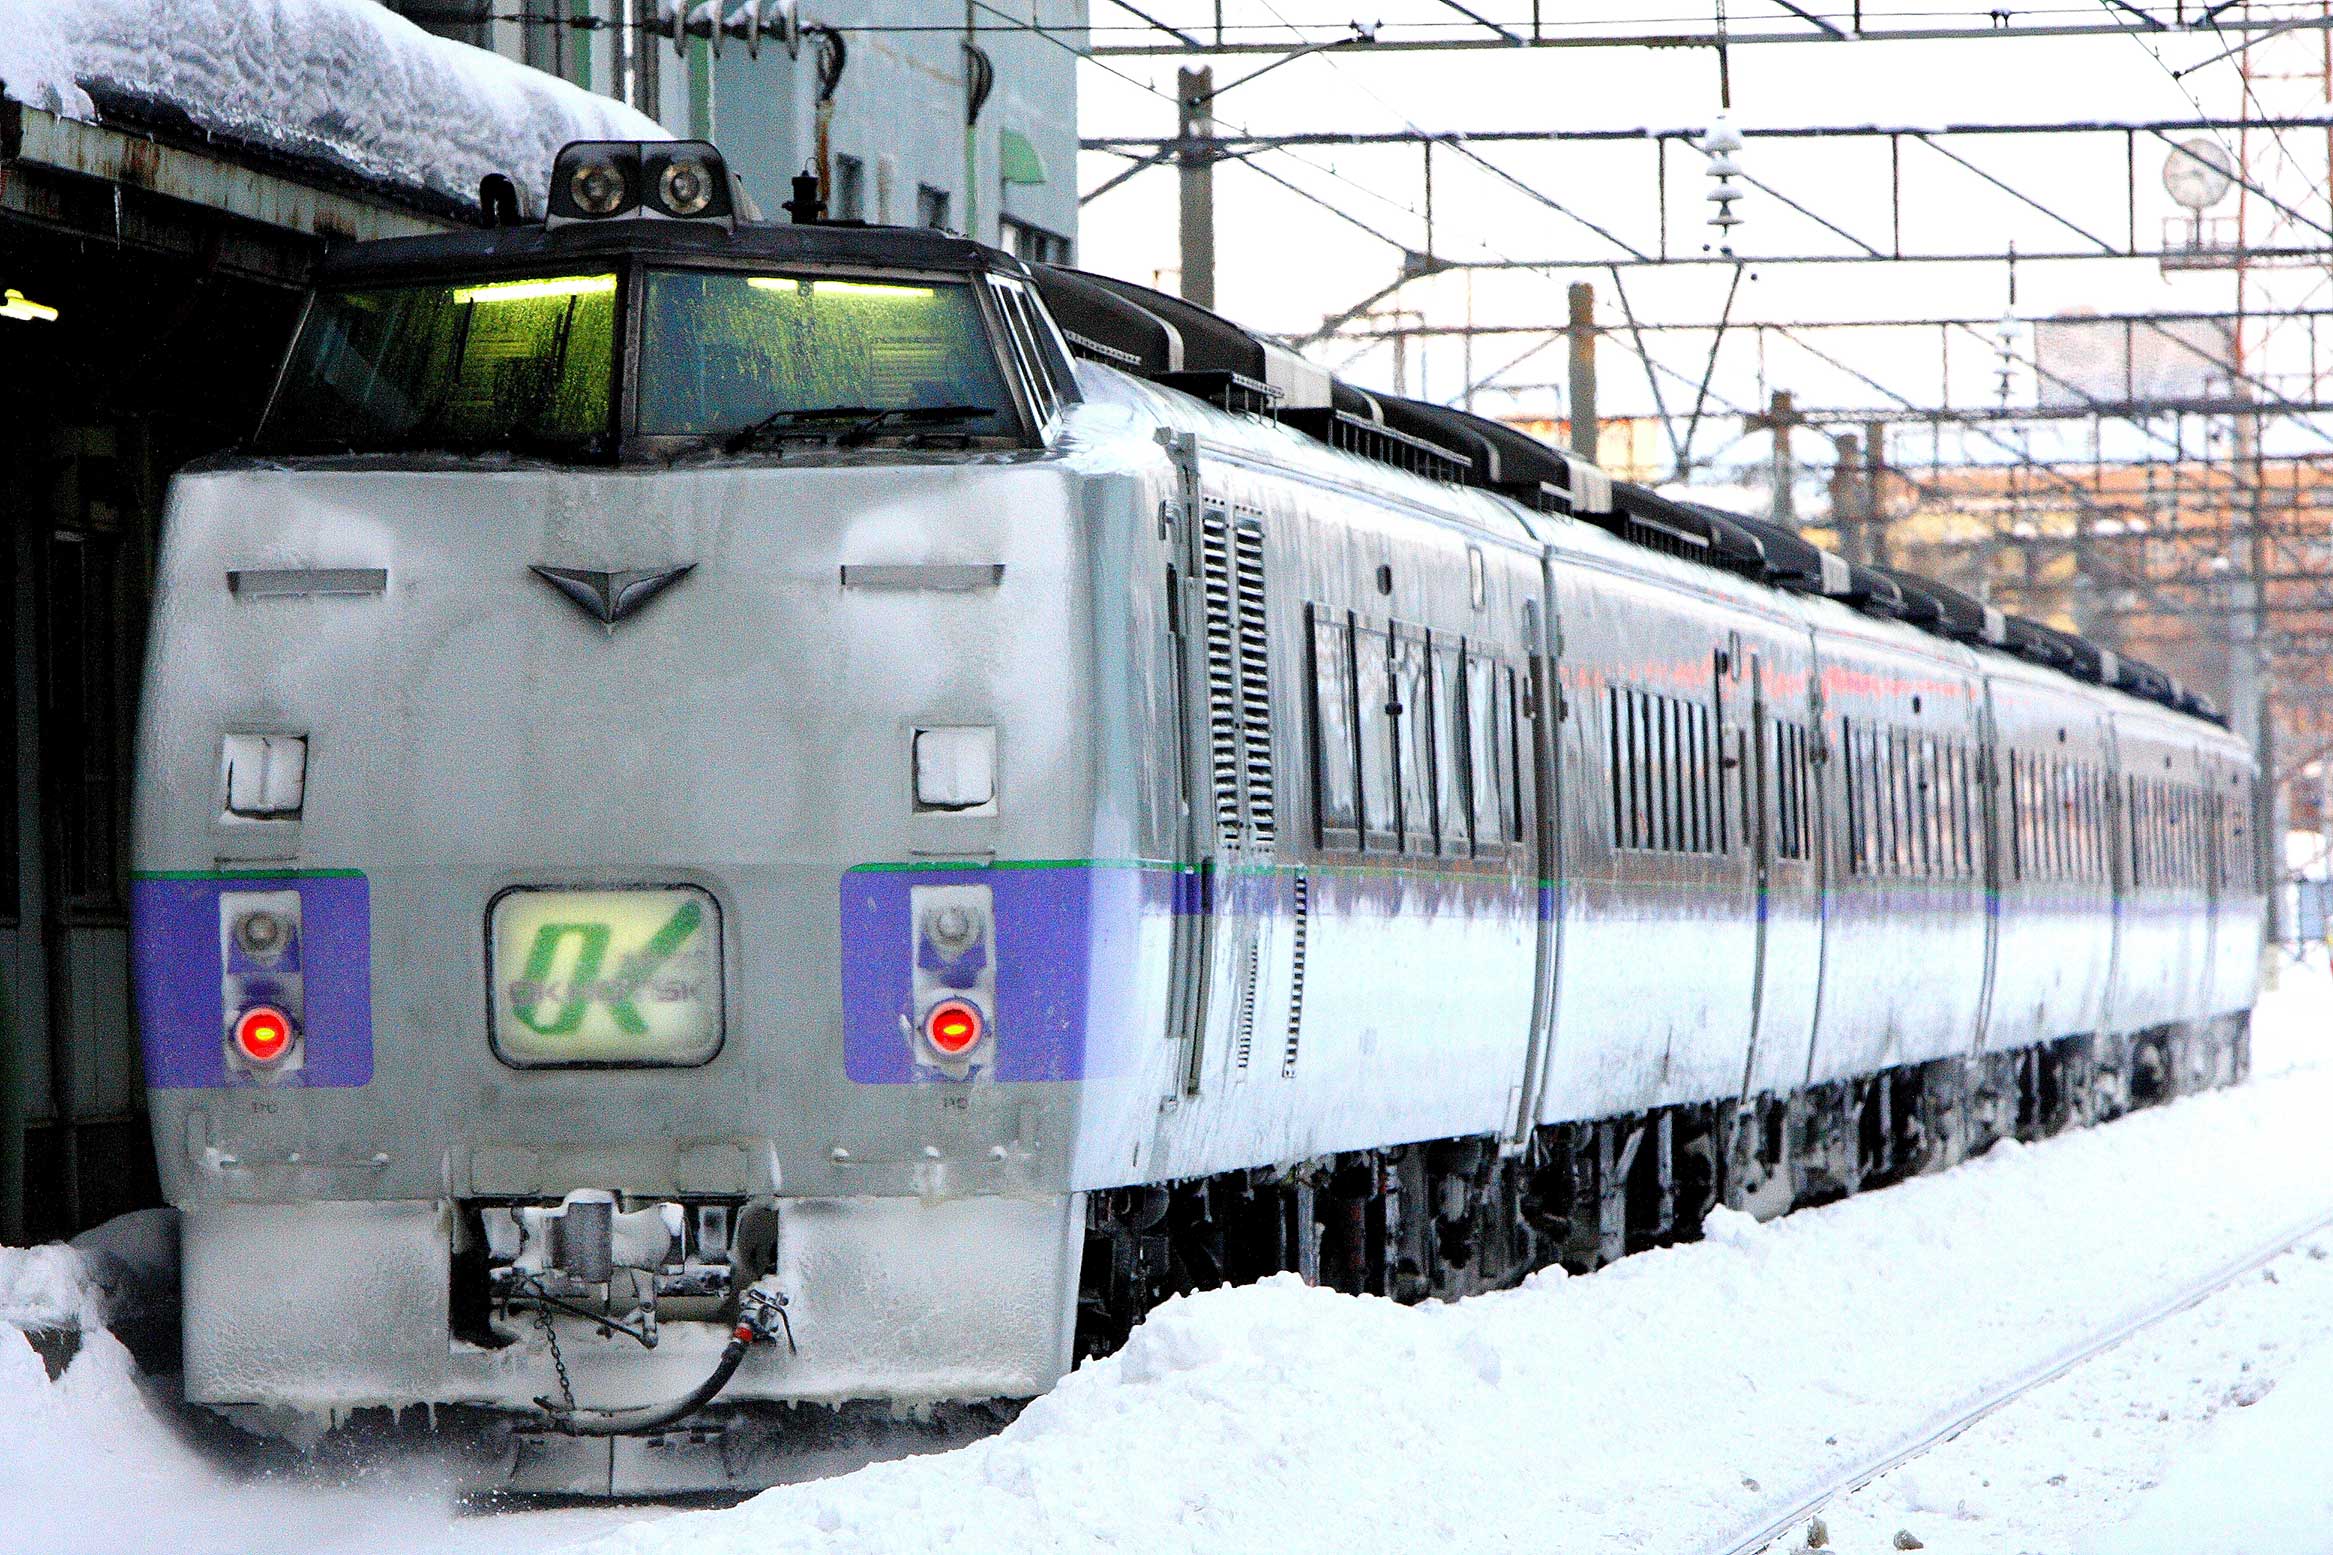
x=1942, y=1428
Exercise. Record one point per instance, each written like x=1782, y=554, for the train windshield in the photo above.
x=523, y=365
x=732, y=356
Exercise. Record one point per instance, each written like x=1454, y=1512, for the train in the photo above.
x=738, y=821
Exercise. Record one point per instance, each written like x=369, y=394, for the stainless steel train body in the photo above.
x=1290, y=805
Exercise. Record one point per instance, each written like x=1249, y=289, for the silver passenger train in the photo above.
x=739, y=817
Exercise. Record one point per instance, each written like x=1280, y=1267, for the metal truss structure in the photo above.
x=2180, y=513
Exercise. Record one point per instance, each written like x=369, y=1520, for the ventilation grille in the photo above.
x=1296, y=977
x=1255, y=684
x=1239, y=680
x=1243, y=1046
x=1222, y=671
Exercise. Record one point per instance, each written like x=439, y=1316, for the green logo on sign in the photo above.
x=585, y=986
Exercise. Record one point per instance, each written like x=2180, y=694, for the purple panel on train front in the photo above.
x=175, y=961
x=1065, y=960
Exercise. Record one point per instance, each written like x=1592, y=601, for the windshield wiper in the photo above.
x=865, y=421
x=912, y=415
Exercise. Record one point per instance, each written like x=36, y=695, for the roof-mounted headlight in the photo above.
x=687, y=181
x=594, y=180
x=614, y=180
x=600, y=188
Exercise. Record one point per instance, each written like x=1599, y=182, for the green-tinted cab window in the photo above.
x=722, y=351
x=505, y=364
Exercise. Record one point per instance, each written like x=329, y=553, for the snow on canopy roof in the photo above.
x=345, y=82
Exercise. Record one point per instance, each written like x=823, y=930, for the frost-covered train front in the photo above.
x=556, y=906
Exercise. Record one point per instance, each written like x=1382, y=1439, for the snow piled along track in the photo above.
x=1650, y=1408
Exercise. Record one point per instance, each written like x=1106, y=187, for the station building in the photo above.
x=151, y=266
x=936, y=113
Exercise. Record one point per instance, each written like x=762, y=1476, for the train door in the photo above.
x=1782, y=832
x=1757, y=817
x=2117, y=877
x=1226, y=864
x=1543, y=736
x=1995, y=845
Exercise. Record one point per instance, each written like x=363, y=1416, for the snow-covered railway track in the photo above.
x=1776, y=1523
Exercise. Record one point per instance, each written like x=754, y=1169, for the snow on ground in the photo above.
x=345, y=81
x=2212, y=1431
x=2219, y=1422
x=1649, y=1408
x=94, y=1467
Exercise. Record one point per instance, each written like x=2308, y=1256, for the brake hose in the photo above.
x=762, y=1312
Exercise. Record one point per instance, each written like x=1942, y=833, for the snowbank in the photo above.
x=1648, y=1408
x=346, y=82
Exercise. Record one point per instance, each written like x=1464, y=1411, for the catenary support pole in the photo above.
x=1582, y=340
x=1196, y=98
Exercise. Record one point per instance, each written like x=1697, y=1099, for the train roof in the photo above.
x=533, y=244
x=1176, y=343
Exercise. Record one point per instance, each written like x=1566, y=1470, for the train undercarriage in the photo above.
x=1453, y=1217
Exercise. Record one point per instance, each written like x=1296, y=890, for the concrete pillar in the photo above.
x=1781, y=415
x=1582, y=340
x=1195, y=91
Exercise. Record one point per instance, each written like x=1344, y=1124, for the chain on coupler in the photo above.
x=761, y=1314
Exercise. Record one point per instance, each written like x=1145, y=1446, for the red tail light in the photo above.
x=263, y=1034
x=953, y=1028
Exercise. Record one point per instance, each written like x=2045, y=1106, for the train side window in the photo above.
x=1713, y=791
x=1414, y=735
x=1680, y=773
x=1028, y=348
x=1372, y=663
x=1948, y=807
x=1801, y=836
x=1482, y=728
x=1655, y=826
x=1510, y=755
x=1694, y=719
x=1881, y=860
x=1335, y=761
x=1786, y=795
x=1858, y=785
x=1935, y=763
x=1685, y=771
x=1697, y=764
x=1451, y=789
x=1643, y=829
x=2056, y=800
x=1615, y=765
x=1875, y=843
x=1695, y=837
x=1921, y=752
x=2016, y=826
x=1021, y=351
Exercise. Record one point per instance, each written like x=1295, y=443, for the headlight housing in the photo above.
x=618, y=180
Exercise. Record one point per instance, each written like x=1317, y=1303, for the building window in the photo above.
x=850, y=190
x=463, y=21
x=931, y=206
x=1033, y=244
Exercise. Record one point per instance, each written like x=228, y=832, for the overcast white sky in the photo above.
x=1285, y=263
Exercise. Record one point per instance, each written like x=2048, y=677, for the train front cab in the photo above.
x=617, y=838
